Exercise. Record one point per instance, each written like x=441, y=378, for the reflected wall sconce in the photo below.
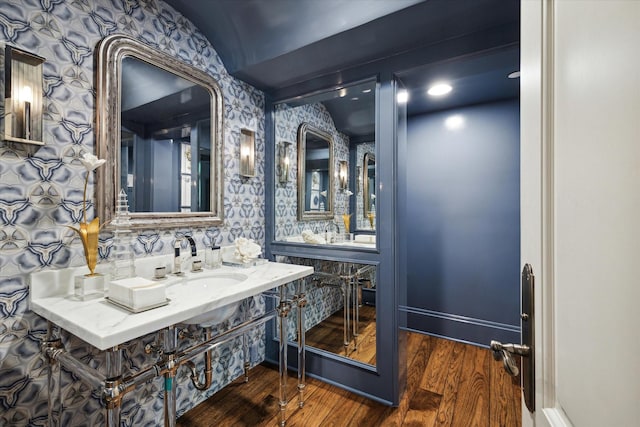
x=22, y=80
x=247, y=153
x=284, y=162
x=343, y=173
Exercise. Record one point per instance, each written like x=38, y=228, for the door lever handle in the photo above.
x=508, y=352
x=519, y=349
x=505, y=353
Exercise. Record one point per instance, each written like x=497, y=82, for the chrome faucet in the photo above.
x=177, y=261
x=196, y=264
x=335, y=225
x=194, y=251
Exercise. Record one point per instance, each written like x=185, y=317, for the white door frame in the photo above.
x=537, y=195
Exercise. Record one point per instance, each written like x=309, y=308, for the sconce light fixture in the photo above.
x=342, y=174
x=247, y=153
x=22, y=121
x=284, y=163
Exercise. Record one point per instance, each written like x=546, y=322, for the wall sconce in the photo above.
x=247, y=153
x=22, y=120
x=284, y=163
x=343, y=172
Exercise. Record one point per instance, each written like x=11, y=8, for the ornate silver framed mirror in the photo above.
x=315, y=174
x=160, y=130
x=369, y=186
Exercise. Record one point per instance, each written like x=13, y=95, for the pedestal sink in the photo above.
x=212, y=281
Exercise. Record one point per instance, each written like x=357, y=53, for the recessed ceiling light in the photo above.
x=514, y=75
x=366, y=91
x=355, y=98
x=402, y=97
x=439, y=89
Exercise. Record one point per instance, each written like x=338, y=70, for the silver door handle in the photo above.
x=505, y=353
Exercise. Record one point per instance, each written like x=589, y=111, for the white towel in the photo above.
x=309, y=237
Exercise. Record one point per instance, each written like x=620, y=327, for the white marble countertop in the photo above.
x=105, y=325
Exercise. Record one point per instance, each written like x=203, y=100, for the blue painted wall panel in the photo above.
x=463, y=216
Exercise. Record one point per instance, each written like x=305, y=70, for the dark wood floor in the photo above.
x=448, y=384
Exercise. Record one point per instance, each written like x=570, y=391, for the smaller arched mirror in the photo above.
x=315, y=173
x=369, y=187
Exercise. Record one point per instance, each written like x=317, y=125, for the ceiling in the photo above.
x=288, y=47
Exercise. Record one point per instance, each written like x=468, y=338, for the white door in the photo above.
x=580, y=139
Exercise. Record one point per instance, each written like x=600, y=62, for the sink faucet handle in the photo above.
x=177, y=260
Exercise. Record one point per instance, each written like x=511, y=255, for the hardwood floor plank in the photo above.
x=418, y=350
x=423, y=409
x=505, y=407
x=472, y=404
x=436, y=373
x=452, y=381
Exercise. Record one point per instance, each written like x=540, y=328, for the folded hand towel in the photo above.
x=309, y=237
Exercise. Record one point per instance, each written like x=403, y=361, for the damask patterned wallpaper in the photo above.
x=287, y=121
x=41, y=193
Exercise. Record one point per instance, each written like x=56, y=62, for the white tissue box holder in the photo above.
x=137, y=294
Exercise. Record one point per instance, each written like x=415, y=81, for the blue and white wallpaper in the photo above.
x=41, y=193
x=287, y=120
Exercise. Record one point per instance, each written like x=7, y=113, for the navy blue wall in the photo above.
x=463, y=223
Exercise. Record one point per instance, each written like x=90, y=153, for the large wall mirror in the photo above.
x=159, y=127
x=315, y=173
x=316, y=136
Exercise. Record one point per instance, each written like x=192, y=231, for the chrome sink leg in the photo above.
x=53, y=375
x=302, y=302
x=111, y=392
x=245, y=342
x=170, y=346
x=356, y=310
x=283, y=311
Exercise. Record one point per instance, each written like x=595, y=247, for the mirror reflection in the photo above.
x=369, y=189
x=165, y=156
x=340, y=315
x=320, y=215
x=315, y=173
x=159, y=128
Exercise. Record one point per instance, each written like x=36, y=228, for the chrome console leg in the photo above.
x=54, y=403
x=356, y=310
x=345, y=316
x=170, y=346
x=245, y=342
x=111, y=391
x=302, y=302
x=283, y=312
